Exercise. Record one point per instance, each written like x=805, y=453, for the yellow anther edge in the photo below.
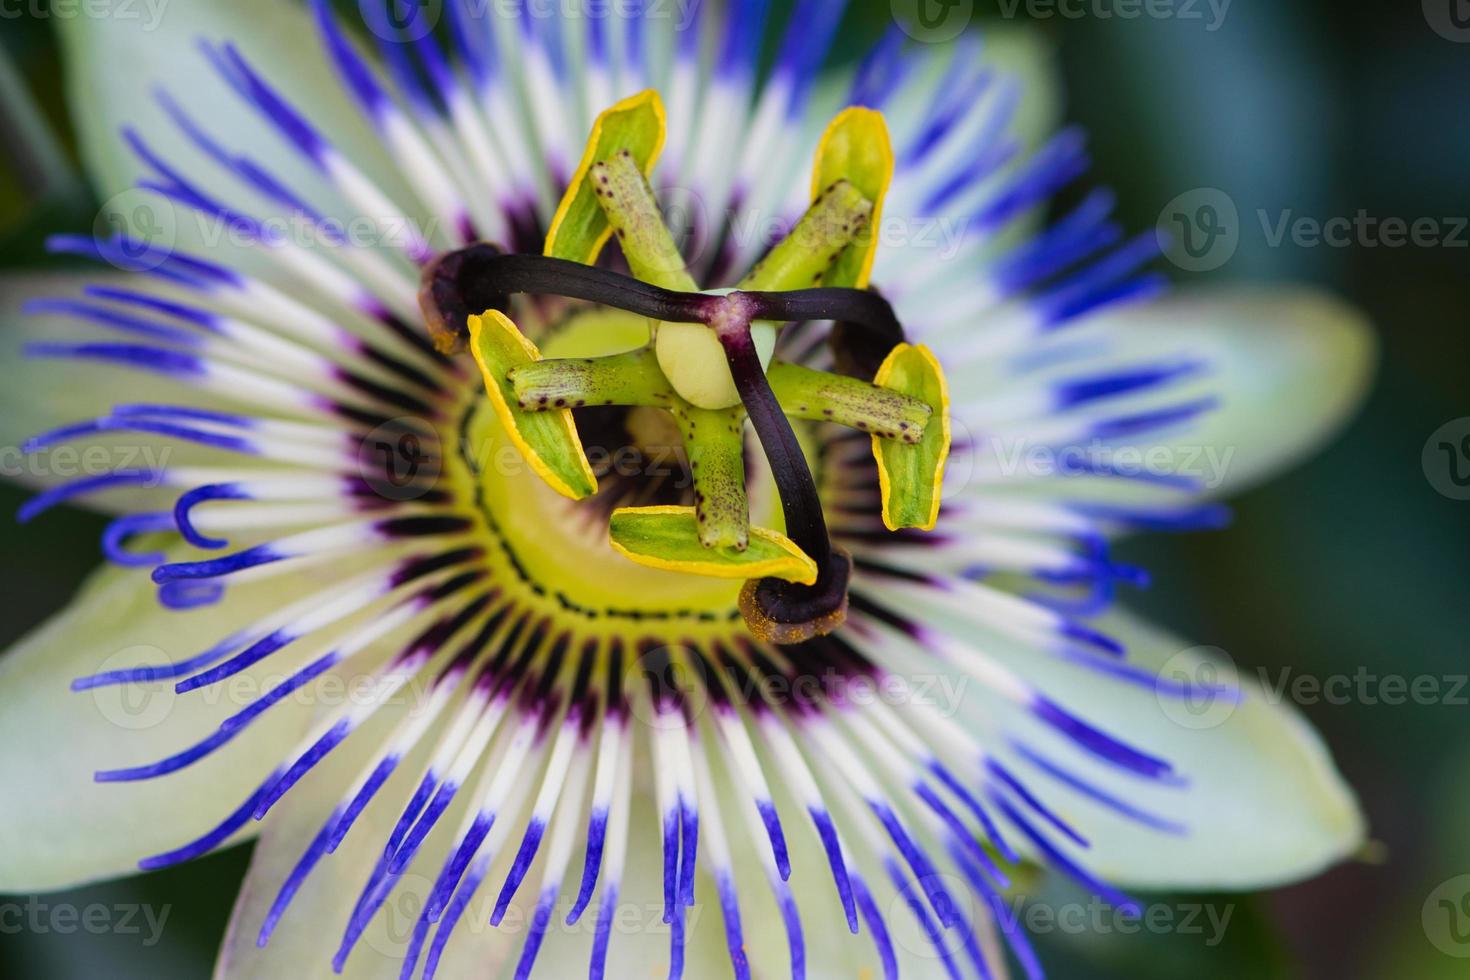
x=856, y=148
x=885, y=371
x=494, y=319
x=797, y=566
x=648, y=99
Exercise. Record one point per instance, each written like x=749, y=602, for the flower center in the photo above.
x=561, y=546
x=704, y=369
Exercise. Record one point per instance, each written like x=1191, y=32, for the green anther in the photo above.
x=714, y=442
x=911, y=475
x=631, y=378
x=801, y=259
x=808, y=394
x=627, y=199
x=666, y=537
x=580, y=229
x=689, y=355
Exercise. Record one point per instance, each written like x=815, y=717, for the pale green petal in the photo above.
x=115, y=64
x=1289, y=366
x=1028, y=56
x=1263, y=805
x=37, y=395
x=1016, y=51
x=59, y=828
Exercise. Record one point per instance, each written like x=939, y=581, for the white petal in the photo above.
x=59, y=828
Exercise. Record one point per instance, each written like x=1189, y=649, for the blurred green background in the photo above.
x=1352, y=561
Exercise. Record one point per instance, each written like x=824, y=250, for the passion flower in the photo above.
x=640, y=560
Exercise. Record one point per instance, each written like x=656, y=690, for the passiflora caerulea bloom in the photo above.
x=546, y=607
